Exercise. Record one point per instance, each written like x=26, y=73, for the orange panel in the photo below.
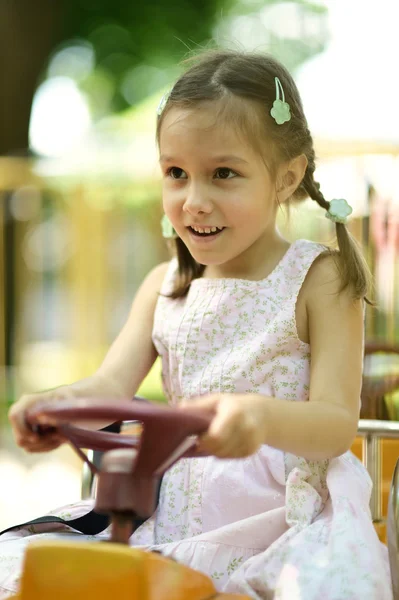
x=169, y=580
x=100, y=571
x=231, y=597
x=81, y=571
x=390, y=454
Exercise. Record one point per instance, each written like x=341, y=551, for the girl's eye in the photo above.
x=225, y=173
x=176, y=173
x=221, y=173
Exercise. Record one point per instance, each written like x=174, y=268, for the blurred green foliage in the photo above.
x=133, y=49
x=138, y=40
x=292, y=30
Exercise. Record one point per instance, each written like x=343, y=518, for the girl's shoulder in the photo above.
x=324, y=267
x=322, y=299
x=299, y=261
x=324, y=278
x=308, y=256
x=304, y=247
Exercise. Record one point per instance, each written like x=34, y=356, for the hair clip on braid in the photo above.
x=281, y=109
x=339, y=211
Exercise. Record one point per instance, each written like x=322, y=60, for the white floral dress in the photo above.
x=272, y=526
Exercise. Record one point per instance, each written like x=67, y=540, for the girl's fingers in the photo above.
x=41, y=441
x=206, y=402
x=225, y=425
x=19, y=425
x=231, y=450
x=44, y=446
x=228, y=439
x=33, y=437
x=231, y=434
x=216, y=444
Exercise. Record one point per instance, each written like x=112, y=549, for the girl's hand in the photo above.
x=24, y=436
x=238, y=427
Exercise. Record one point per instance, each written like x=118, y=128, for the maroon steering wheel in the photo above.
x=164, y=439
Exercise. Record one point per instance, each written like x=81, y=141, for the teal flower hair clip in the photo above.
x=281, y=109
x=339, y=211
x=168, y=231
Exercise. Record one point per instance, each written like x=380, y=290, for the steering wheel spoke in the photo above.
x=167, y=435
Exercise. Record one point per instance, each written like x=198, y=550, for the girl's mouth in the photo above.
x=205, y=234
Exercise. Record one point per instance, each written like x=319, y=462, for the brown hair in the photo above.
x=225, y=77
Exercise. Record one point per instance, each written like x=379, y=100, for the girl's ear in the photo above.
x=290, y=177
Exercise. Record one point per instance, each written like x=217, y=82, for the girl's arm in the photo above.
x=126, y=364
x=132, y=354
x=325, y=426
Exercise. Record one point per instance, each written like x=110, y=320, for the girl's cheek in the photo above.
x=169, y=199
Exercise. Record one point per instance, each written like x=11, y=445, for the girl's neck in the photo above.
x=257, y=263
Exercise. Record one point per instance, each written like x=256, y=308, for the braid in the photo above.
x=351, y=264
x=309, y=186
x=312, y=189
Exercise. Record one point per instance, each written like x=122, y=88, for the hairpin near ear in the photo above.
x=281, y=109
x=168, y=231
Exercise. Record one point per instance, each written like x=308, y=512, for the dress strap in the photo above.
x=297, y=266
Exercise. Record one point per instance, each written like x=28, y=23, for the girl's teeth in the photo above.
x=207, y=229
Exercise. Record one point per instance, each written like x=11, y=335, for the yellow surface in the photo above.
x=81, y=571
x=103, y=571
x=169, y=580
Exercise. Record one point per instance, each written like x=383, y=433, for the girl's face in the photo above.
x=213, y=179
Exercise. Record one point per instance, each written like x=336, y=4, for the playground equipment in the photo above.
x=127, y=483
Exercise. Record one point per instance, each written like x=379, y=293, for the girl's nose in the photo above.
x=197, y=202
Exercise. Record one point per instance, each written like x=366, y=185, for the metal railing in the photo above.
x=373, y=432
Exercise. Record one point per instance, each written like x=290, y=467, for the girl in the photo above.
x=266, y=335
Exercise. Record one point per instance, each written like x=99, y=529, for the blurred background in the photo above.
x=80, y=202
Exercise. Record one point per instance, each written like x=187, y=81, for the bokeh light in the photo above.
x=75, y=61
x=60, y=117
x=25, y=203
x=48, y=245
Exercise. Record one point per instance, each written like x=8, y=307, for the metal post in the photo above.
x=372, y=462
x=87, y=478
